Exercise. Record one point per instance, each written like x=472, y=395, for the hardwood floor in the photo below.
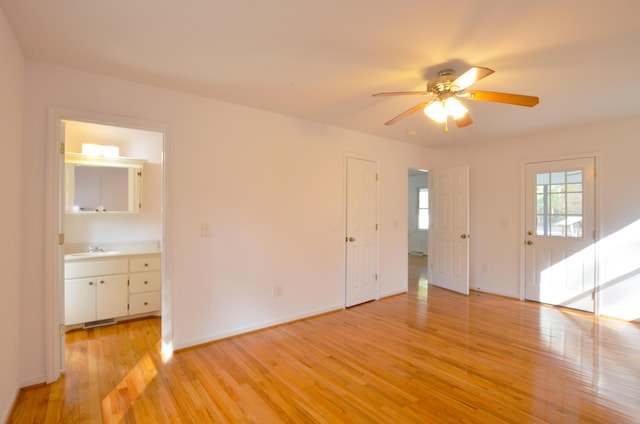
x=430, y=356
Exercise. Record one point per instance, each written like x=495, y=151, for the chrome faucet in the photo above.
x=95, y=249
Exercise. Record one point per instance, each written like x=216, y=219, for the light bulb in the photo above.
x=455, y=108
x=435, y=110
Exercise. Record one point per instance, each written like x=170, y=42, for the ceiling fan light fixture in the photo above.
x=440, y=109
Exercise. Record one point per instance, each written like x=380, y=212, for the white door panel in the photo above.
x=449, y=228
x=361, y=232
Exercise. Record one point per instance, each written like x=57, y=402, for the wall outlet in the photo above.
x=277, y=291
x=205, y=230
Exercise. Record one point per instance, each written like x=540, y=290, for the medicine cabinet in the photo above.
x=97, y=184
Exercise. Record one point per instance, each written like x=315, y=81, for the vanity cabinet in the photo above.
x=102, y=289
x=95, y=290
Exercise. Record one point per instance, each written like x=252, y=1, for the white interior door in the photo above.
x=560, y=226
x=361, y=232
x=449, y=228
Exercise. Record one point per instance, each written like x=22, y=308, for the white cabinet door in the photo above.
x=112, y=296
x=79, y=300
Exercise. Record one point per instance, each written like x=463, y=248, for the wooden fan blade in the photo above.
x=472, y=76
x=407, y=113
x=512, y=99
x=402, y=93
x=465, y=121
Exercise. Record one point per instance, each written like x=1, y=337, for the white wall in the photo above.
x=11, y=106
x=270, y=186
x=418, y=239
x=496, y=208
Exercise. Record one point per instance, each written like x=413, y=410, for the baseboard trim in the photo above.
x=189, y=344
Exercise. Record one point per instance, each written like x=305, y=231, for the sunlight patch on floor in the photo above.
x=423, y=288
x=116, y=404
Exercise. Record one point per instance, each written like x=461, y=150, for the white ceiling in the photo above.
x=322, y=60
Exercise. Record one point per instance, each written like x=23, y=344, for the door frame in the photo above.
x=54, y=207
x=597, y=224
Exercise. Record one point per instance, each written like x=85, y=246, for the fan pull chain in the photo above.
x=446, y=125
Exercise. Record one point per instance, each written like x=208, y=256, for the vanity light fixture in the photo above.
x=100, y=150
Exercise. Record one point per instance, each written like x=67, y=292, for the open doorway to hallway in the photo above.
x=418, y=231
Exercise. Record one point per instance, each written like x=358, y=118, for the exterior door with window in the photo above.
x=560, y=233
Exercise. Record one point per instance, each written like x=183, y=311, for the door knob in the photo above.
x=351, y=239
x=463, y=236
x=529, y=242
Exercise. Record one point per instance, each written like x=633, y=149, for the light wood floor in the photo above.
x=430, y=356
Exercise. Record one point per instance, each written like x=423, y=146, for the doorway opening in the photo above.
x=128, y=235
x=418, y=231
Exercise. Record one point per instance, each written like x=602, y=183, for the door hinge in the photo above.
x=128, y=284
x=376, y=227
x=593, y=295
x=376, y=277
x=127, y=306
x=61, y=330
x=62, y=148
x=140, y=205
x=376, y=177
x=139, y=173
x=61, y=239
x=594, y=234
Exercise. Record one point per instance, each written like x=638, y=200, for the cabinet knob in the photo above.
x=146, y=303
x=101, y=281
x=146, y=282
x=146, y=264
x=91, y=283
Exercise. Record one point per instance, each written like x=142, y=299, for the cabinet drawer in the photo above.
x=90, y=268
x=144, y=281
x=149, y=263
x=144, y=302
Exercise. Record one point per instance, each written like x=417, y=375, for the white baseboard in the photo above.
x=223, y=335
x=32, y=381
x=497, y=292
x=392, y=293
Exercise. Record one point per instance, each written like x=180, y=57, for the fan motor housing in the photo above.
x=442, y=83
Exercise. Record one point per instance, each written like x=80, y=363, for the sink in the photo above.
x=92, y=254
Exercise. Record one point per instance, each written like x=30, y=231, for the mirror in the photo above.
x=102, y=184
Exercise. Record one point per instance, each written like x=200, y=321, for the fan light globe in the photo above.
x=439, y=110
x=436, y=111
x=454, y=108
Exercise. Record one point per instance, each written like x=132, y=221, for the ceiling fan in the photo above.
x=446, y=87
